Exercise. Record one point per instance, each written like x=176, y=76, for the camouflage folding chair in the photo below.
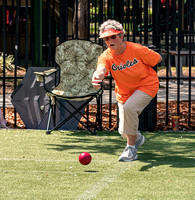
x=76, y=61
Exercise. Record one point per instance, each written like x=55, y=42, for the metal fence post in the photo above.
x=38, y=32
x=63, y=21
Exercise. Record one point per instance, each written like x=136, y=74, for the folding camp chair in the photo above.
x=76, y=60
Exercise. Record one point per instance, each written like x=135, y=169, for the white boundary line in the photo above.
x=92, y=191
x=36, y=160
x=103, y=183
x=46, y=160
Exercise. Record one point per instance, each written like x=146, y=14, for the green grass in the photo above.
x=34, y=165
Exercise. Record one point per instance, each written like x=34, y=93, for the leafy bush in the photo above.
x=8, y=62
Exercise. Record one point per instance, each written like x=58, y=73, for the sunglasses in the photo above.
x=113, y=37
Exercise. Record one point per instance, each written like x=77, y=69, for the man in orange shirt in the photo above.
x=136, y=82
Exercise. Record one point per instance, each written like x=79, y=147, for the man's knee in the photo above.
x=131, y=109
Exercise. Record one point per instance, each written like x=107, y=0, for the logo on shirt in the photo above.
x=124, y=66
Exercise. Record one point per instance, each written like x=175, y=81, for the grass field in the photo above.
x=43, y=167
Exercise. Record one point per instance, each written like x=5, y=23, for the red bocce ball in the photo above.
x=85, y=158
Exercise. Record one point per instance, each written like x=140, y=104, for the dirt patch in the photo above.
x=113, y=126
x=106, y=124
x=10, y=83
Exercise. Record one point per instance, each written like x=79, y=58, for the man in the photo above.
x=136, y=82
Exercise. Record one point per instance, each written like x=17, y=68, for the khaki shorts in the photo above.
x=130, y=111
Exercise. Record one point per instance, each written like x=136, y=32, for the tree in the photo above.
x=80, y=19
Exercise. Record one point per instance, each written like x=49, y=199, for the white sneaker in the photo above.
x=129, y=154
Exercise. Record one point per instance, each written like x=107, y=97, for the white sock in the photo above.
x=131, y=146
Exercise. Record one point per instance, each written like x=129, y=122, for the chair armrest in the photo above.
x=42, y=75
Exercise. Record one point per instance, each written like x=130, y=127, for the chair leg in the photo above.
x=98, y=114
x=49, y=118
x=77, y=110
x=72, y=114
x=89, y=122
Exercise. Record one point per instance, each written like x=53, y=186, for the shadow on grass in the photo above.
x=91, y=171
x=173, y=149
x=175, y=161
x=104, y=142
x=161, y=148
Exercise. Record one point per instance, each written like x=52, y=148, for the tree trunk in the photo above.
x=80, y=20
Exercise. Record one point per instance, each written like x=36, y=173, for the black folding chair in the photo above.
x=76, y=61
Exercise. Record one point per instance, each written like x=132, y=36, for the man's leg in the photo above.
x=131, y=139
x=129, y=119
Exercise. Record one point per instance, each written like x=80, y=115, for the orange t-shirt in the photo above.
x=132, y=70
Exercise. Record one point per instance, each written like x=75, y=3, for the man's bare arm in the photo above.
x=98, y=76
